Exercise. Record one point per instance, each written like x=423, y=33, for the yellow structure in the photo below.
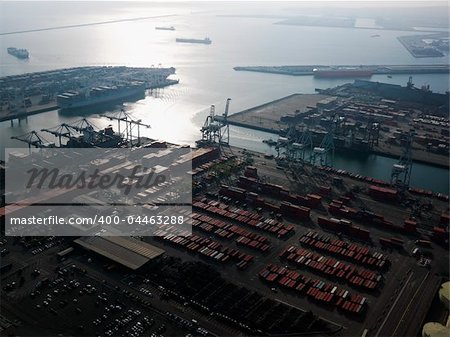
x=434, y=329
x=444, y=294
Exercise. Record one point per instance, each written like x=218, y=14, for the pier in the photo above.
x=308, y=70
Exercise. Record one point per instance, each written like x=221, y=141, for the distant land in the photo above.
x=320, y=21
x=396, y=17
x=349, y=71
x=340, y=22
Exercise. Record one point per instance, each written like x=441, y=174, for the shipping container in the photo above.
x=324, y=190
x=383, y=193
x=251, y=171
x=291, y=210
x=445, y=219
x=423, y=243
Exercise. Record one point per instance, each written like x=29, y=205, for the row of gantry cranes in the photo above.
x=297, y=146
x=85, y=134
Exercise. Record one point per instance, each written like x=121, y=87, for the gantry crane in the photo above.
x=216, y=130
x=410, y=84
x=211, y=128
x=34, y=139
x=81, y=134
x=130, y=123
x=323, y=155
x=225, y=129
x=304, y=144
x=401, y=171
x=372, y=133
x=60, y=131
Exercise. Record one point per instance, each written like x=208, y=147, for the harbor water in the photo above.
x=205, y=71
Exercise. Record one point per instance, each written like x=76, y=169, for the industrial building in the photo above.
x=126, y=251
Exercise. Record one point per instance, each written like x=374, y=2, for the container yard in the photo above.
x=324, y=251
x=364, y=116
x=315, y=289
x=277, y=246
x=359, y=254
x=343, y=245
x=418, y=48
x=288, y=180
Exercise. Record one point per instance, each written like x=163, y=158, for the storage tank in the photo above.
x=444, y=294
x=434, y=329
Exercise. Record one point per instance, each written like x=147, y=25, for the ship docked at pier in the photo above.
x=78, y=88
x=99, y=95
x=19, y=53
x=206, y=40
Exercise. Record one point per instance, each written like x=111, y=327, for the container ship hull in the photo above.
x=69, y=100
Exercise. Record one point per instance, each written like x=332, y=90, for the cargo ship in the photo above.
x=165, y=28
x=99, y=95
x=206, y=40
x=341, y=72
x=19, y=53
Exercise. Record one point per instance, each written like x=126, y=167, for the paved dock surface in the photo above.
x=6, y=115
x=267, y=116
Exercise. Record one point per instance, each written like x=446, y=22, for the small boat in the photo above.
x=19, y=53
x=389, y=76
x=165, y=28
x=206, y=40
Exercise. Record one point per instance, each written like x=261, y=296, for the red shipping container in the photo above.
x=445, y=219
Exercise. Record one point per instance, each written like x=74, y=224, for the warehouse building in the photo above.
x=126, y=251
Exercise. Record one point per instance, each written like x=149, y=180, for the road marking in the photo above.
x=393, y=305
x=409, y=304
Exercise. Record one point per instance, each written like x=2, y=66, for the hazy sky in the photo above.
x=308, y=2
